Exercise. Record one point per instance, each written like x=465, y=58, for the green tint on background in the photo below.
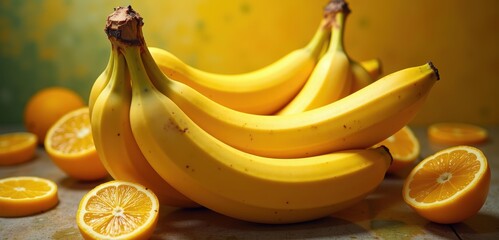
x=49, y=43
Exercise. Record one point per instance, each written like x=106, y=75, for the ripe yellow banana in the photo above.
x=114, y=140
x=236, y=183
x=360, y=76
x=334, y=76
x=359, y=120
x=331, y=78
x=250, y=92
x=100, y=83
x=373, y=67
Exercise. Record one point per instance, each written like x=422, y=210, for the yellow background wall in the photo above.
x=62, y=42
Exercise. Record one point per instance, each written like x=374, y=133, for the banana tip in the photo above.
x=380, y=69
x=387, y=150
x=435, y=70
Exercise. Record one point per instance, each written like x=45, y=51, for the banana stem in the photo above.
x=324, y=31
x=338, y=25
x=141, y=83
x=120, y=79
x=124, y=27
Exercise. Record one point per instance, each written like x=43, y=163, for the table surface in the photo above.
x=382, y=215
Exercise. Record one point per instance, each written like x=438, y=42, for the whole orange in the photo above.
x=46, y=106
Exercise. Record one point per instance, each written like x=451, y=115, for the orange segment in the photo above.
x=17, y=147
x=449, y=186
x=70, y=145
x=404, y=147
x=456, y=133
x=118, y=210
x=22, y=196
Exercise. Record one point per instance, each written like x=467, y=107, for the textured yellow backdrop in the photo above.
x=61, y=42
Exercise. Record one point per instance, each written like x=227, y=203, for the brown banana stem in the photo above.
x=124, y=26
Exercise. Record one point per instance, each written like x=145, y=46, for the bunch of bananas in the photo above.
x=287, y=143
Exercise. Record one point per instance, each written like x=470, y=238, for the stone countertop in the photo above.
x=382, y=215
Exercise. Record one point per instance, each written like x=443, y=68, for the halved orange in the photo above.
x=17, y=147
x=449, y=186
x=454, y=133
x=23, y=196
x=70, y=145
x=118, y=210
x=404, y=147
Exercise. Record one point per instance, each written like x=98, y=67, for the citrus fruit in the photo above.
x=23, y=196
x=454, y=133
x=46, y=106
x=118, y=210
x=404, y=147
x=449, y=186
x=70, y=145
x=17, y=147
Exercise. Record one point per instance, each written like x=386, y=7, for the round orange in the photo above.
x=404, y=147
x=17, y=147
x=449, y=186
x=46, y=106
x=70, y=145
x=454, y=133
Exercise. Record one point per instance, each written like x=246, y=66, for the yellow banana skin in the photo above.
x=360, y=76
x=114, y=140
x=358, y=120
x=239, y=184
x=331, y=78
x=249, y=92
x=374, y=67
x=100, y=83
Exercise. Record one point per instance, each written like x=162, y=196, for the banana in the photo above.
x=100, y=83
x=365, y=72
x=250, y=92
x=360, y=76
x=114, y=140
x=358, y=120
x=373, y=67
x=239, y=184
x=330, y=80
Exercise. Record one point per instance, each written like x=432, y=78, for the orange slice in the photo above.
x=404, y=147
x=17, y=147
x=450, y=133
x=118, y=210
x=70, y=145
x=23, y=196
x=449, y=186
